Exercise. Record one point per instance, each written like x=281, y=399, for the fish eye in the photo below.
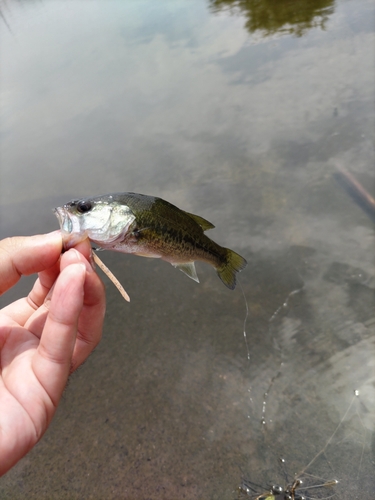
x=84, y=206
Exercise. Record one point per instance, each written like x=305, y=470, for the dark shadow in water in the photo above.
x=294, y=17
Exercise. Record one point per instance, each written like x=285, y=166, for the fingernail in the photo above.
x=92, y=260
x=53, y=238
x=53, y=234
x=82, y=260
x=83, y=266
x=75, y=252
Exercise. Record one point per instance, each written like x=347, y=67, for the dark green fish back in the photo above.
x=142, y=204
x=178, y=235
x=155, y=213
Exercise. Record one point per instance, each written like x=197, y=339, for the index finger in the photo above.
x=24, y=255
x=52, y=362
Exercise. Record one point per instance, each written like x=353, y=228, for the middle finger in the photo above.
x=21, y=310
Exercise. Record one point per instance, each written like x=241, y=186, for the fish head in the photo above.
x=102, y=220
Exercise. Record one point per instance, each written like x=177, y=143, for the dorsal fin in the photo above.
x=204, y=224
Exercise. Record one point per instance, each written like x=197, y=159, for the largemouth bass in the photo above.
x=149, y=227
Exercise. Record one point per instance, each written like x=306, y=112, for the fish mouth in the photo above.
x=66, y=224
x=70, y=231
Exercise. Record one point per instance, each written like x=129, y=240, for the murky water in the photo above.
x=239, y=112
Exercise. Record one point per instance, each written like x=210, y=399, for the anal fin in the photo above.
x=189, y=269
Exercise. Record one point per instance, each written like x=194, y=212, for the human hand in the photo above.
x=44, y=336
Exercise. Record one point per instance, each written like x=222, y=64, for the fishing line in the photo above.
x=245, y=320
x=322, y=451
x=265, y=397
x=245, y=335
x=285, y=304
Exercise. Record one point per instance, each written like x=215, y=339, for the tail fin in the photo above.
x=227, y=272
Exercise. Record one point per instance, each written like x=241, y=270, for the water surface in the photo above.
x=239, y=112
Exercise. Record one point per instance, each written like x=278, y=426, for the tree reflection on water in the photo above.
x=293, y=17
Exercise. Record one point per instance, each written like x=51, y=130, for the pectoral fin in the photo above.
x=189, y=269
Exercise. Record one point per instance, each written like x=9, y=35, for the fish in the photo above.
x=147, y=226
